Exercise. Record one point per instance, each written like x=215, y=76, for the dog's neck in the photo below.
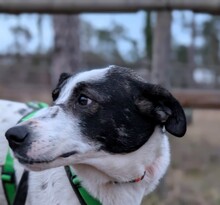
x=98, y=173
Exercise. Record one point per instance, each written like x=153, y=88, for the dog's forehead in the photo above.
x=112, y=76
x=87, y=76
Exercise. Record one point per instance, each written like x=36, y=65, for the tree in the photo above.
x=161, y=49
x=22, y=36
x=148, y=33
x=191, y=50
x=40, y=32
x=107, y=44
x=191, y=55
x=103, y=45
x=210, y=51
x=67, y=55
x=211, y=47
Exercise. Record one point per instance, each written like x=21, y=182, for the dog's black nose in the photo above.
x=16, y=136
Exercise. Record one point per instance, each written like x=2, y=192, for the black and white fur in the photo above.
x=108, y=124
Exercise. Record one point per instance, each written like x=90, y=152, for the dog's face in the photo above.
x=109, y=111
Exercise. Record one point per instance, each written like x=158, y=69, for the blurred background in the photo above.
x=178, y=49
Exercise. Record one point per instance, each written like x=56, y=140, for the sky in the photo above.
x=133, y=23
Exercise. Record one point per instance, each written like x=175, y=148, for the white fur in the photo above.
x=88, y=76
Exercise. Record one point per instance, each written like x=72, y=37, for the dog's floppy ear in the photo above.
x=158, y=103
x=56, y=91
x=63, y=77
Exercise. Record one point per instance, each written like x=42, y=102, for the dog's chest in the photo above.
x=50, y=187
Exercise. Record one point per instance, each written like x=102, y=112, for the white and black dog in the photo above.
x=108, y=124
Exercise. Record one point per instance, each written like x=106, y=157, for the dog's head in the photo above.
x=109, y=110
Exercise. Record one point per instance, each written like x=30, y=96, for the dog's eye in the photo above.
x=55, y=94
x=84, y=100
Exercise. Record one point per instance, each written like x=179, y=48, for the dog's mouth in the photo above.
x=26, y=160
x=68, y=154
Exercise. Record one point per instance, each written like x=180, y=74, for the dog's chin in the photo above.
x=38, y=167
x=43, y=164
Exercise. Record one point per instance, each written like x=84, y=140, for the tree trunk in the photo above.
x=161, y=49
x=148, y=36
x=67, y=55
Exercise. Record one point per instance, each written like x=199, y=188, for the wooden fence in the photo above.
x=198, y=98
x=79, y=6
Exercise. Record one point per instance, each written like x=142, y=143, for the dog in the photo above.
x=108, y=124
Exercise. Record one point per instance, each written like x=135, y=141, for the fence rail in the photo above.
x=188, y=98
x=79, y=6
x=198, y=98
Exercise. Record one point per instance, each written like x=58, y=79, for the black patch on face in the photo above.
x=113, y=119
